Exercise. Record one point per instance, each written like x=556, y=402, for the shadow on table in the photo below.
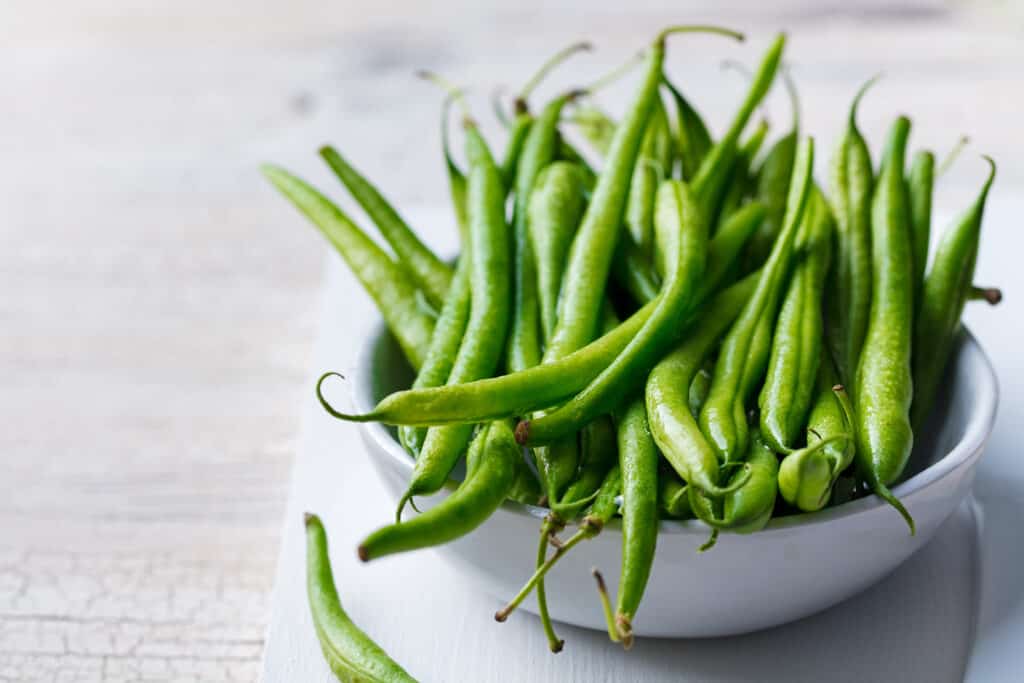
x=915, y=625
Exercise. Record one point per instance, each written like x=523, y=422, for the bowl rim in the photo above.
x=979, y=427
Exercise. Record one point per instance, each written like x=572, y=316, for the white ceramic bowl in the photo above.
x=795, y=567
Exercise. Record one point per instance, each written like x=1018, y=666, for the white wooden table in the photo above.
x=160, y=302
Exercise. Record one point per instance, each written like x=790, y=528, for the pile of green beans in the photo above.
x=659, y=325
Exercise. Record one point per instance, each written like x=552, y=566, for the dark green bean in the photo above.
x=351, y=654
x=884, y=390
x=673, y=502
x=597, y=449
x=723, y=417
x=634, y=271
x=390, y=285
x=946, y=289
x=742, y=181
x=653, y=164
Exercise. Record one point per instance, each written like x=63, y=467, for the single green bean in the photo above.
x=852, y=186
x=652, y=165
x=387, y=283
x=638, y=460
x=723, y=417
x=919, y=185
x=673, y=501
x=350, y=653
x=884, y=389
x=743, y=181
x=946, y=289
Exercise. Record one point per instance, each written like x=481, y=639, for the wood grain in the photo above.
x=159, y=302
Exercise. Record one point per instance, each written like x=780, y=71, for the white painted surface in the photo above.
x=158, y=301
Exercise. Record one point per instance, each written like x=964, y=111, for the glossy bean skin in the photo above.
x=638, y=460
x=852, y=184
x=444, y=346
x=788, y=389
x=389, y=284
x=675, y=205
x=693, y=141
x=807, y=476
x=883, y=386
x=431, y=273
x=598, y=454
x=538, y=151
x=556, y=204
x=652, y=165
x=481, y=347
x=351, y=654
x=468, y=506
x=920, y=184
x=723, y=417
x=945, y=291
x=749, y=507
x=772, y=186
x=591, y=252
x=672, y=424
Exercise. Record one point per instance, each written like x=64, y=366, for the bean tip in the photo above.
x=308, y=518
x=500, y=616
x=363, y=553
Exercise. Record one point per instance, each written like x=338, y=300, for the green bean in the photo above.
x=946, y=289
x=456, y=178
x=597, y=448
x=675, y=205
x=728, y=244
x=772, y=184
x=807, y=476
x=638, y=460
x=652, y=165
x=693, y=141
x=538, y=151
x=601, y=510
x=723, y=418
x=852, y=186
x=672, y=424
x=884, y=390
x=488, y=317
x=350, y=653
x=919, y=185
x=710, y=180
x=796, y=344
x=592, y=249
x=698, y=392
x=742, y=182
x=525, y=486
x=556, y=204
x=430, y=273
x=387, y=283
x=444, y=347
x=673, y=501
x=465, y=509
